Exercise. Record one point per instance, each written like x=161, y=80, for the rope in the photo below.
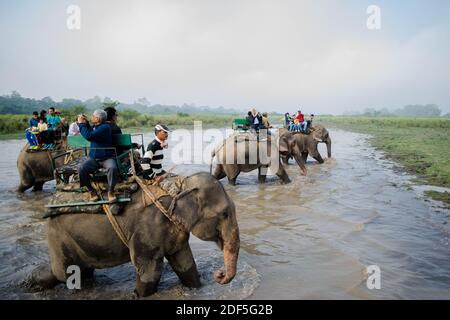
x=157, y=203
x=68, y=157
x=115, y=225
x=49, y=154
x=111, y=217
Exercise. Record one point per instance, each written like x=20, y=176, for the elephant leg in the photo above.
x=23, y=187
x=87, y=273
x=261, y=176
x=183, y=264
x=38, y=186
x=42, y=278
x=232, y=171
x=282, y=174
x=305, y=156
x=219, y=173
x=232, y=181
x=148, y=276
x=318, y=157
x=26, y=182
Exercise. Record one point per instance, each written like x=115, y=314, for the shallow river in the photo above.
x=310, y=239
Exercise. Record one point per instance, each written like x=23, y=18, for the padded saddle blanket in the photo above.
x=249, y=136
x=71, y=193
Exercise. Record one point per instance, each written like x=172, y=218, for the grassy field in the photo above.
x=12, y=126
x=134, y=120
x=421, y=145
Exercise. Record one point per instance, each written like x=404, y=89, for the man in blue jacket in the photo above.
x=101, y=153
x=34, y=121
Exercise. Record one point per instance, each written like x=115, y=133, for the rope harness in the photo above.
x=168, y=213
x=111, y=217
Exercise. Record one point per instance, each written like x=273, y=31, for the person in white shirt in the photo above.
x=74, y=130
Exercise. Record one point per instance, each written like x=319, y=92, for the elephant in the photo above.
x=90, y=242
x=36, y=168
x=233, y=167
x=308, y=144
x=324, y=136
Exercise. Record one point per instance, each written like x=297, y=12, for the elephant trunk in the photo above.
x=329, y=146
x=231, y=245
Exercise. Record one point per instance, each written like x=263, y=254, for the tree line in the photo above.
x=14, y=103
x=411, y=110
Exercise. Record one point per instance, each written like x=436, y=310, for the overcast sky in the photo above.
x=272, y=55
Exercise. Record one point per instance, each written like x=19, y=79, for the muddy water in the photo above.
x=311, y=239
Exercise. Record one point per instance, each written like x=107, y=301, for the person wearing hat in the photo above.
x=151, y=163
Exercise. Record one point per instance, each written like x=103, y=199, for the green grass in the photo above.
x=12, y=135
x=440, y=196
x=421, y=145
x=13, y=126
x=129, y=119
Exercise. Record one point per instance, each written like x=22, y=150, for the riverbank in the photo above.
x=420, y=145
x=12, y=136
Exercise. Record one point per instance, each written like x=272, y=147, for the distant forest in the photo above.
x=14, y=103
x=412, y=110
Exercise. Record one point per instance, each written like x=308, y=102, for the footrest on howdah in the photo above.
x=71, y=199
x=29, y=150
x=83, y=204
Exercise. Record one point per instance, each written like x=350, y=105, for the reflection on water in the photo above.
x=311, y=239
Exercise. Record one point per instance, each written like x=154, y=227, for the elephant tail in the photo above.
x=213, y=154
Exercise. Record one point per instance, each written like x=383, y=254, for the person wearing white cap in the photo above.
x=151, y=163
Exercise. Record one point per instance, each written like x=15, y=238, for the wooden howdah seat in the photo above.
x=241, y=124
x=77, y=152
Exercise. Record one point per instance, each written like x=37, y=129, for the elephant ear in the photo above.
x=185, y=209
x=317, y=135
x=284, y=144
x=300, y=142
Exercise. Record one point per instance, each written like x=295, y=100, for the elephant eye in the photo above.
x=225, y=214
